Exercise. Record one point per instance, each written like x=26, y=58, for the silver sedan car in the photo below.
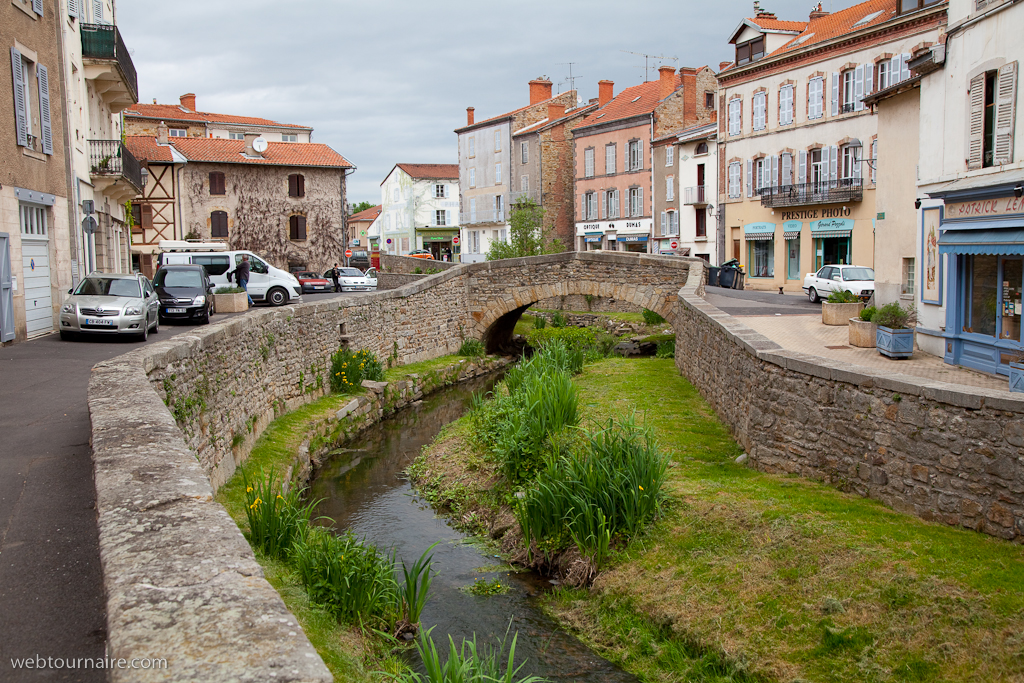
x=111, y=303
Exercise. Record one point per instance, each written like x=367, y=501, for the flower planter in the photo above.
x=894, y=343
x=1017, y=378
x=839, y=314
x=862, y=333
x=231, y=303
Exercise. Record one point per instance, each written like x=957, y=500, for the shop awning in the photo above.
x=632, y=238
x=1001, y=242
x=791, y=235
x=823, y=234
x=598, y=238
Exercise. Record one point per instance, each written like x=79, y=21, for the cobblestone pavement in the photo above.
x=806, y=334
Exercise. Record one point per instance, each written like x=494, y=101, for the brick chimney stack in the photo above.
x=818, y=13
x=540, y=90
x=667, y=80
x=605, y=92
x=722, y=66
x=555, y=111
x=188, y=101
x=249, y=150
x=688, y=74
x=161, y=133
x=469, y=115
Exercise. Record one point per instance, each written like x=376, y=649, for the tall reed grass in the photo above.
x=469, y=662
x=276, y=520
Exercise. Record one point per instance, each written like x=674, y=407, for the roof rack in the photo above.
x=191, y=245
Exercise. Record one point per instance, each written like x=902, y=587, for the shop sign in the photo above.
x=814, y=214
x=792, y=226
x=832, y=224
x=759, y=227
x=632, y=238
x=985, y=208
x=594, y=228
x=596, y=238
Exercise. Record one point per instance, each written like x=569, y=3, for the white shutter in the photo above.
x=640, y=153
x=976, y=123
x=833, y=166
x=72, y=8
x=1006, y=105
x=615, y=203
x=858, y=88
x=750, y=175
x=37, y=7
x=786, y=105
x=834, y=109
x=46, y=132
x=759, y=111
x=869, y=80
x=639, y=201
x=603, y=196
x=20, y=115
x=904, y=66
x=97, y=11
x=894, y=70
x=857, y=154
x=874, y=159
x=773, y=178
x=664, y=223
x=735, y=127
x=801, y=177
x=786, y=179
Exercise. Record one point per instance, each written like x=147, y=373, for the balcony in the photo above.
x=483, y=216
x=823, y=192
x=114, y=170
x=108, y=64
x=694, y=196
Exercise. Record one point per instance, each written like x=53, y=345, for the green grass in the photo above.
x=423, y=367
x=524, y=324
x=624, y=316
x=750, y=576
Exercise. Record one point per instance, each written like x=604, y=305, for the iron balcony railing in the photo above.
x=694, y=195
x=111, y=158
x=102, y=41
x=823, y=192
x=483, y=216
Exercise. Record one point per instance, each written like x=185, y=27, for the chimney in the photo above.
x=688, y=74
x=249, y=151
x=161, y=133
x=469, y=115
x=818, y=13
x=540, y=90
x=722, y=66
x=667, y=79
x=188, y=101
x=555, y=111
x=605, y=92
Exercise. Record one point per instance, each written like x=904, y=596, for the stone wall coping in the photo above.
x=691, y=295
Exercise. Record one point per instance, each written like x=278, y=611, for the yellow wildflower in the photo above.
x=641, y=488
x=248, y=489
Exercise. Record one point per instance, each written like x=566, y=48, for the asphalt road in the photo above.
x=52, y=601
x=750, y=302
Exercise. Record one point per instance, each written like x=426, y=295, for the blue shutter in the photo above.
x=6, y=290
x=834, y=109
x=46, y=134
x=37, y=7
x=20, y=115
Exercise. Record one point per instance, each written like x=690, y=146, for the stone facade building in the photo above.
x=184, y=121
x=485, y=162
x=286, y=202
x=614, y=167
x=685, y=191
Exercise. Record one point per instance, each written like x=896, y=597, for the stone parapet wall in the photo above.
x=392, y=263
x=579, y=302
x=395, y=280
x=943, y=452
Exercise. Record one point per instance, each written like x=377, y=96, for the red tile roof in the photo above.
x=174, y=112
x=640, y=99
x=839, y=23
x=777, y=24
x=540, y=125
x=431, y=171
x=221, y=151
x=506, y=115
x=366, y=214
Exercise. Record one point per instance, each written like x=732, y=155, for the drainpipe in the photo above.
x=177, y=193
x=74, y=230
x=650, y=239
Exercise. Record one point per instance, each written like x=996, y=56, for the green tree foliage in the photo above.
x=527, y=236
x=362, y=206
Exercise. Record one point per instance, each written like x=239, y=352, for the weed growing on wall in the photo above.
x=652, y=318
x=471, y=347
x=348, y=369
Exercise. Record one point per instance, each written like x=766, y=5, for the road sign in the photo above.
x=389, y=240
x=673, y=244
x=455, y=240
x=88, y=225
x=348, y=253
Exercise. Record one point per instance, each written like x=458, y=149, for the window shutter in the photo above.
x=750, y=175
x=46, y=132
x=858, y=88
x=833, y=166
x=292, y=186
x=300, y=185
x=775, y=171
x=664, y=223
x=1006, y=105
x=786, y=177
x=616, y=203
x=894, y=70
x=37, y=7
x=801, y=177
x=976, y=123
x=583, y=207
x=856, y=151
x=97, y=11
x=834, y=109
x=639, y=201
x=302, y=227
x=72, y=8
x=869, y=81
x=146, y=216
x=874, y=159
x=639, y=154
x=904, y=66
x=20, y=115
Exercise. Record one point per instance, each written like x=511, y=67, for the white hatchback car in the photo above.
x=859, y=280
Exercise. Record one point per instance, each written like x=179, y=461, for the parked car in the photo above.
x=311, y=282
x=371, y=277
x=420, y=253
x=185, y=292
x=860, y=280
x=360, y=259
x=354, y=280
x=111, y=303
x=266, y=283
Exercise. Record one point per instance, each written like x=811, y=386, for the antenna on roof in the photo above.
x=648, y=58
x=571, y=80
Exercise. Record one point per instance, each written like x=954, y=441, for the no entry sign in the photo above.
x=348, y=253
x=455, y=240
x=673, y=244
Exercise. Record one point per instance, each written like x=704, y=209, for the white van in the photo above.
x=266, y=283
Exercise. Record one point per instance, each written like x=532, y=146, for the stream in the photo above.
x=363, y=488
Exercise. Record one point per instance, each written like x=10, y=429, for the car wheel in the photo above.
x=812, y=294
x=67, y=336
x=205, y=320
x=144, y=335
x=156, y=325
x=277, y=297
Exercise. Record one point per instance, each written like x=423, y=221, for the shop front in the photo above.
x=593, y=242
x=981, y=242
x=833, y=242
x=760, y=239
x=438, y=242
x=636, y=243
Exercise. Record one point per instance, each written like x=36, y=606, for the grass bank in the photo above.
x=756, y=577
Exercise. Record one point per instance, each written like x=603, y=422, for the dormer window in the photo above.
x=750, y=51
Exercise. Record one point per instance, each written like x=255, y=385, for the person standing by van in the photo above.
x=242, y=276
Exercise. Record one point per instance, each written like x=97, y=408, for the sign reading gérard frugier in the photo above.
x=985, y=208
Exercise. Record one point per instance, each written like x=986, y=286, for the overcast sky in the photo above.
x=386, y=82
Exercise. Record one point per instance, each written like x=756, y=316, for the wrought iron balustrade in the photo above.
x=821, y=192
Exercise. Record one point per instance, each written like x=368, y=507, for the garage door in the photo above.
x=35, y=269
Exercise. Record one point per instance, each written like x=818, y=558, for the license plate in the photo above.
x=99, y=321
x=175, y=310
x=319, y=287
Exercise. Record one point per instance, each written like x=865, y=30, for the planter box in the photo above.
x=231, y=303
x=839, y=314
x=894, y=343
x=1017, y=378
x=862, y=333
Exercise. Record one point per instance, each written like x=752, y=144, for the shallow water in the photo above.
x=363, y=489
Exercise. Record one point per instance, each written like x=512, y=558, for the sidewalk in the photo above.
x=806, y=334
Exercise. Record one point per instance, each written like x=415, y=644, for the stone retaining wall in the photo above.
x=943, y=452
x=396, y=280
x=392, y=263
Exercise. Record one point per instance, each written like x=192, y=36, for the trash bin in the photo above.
x=726, y=277
x=740, y=277
x=713, y=276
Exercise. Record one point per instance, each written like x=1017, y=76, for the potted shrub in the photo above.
x=840, y=307
x=1017, y=372
x=230, y=300
x=894, y=336
x=863, y=328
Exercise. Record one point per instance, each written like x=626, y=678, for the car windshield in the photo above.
x=109, y=286
x=858, y=274
x=305, y=275
x=179, y=278
x=350, y=272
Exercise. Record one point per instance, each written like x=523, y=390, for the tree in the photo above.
x=362, y=206
x=527, y=236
